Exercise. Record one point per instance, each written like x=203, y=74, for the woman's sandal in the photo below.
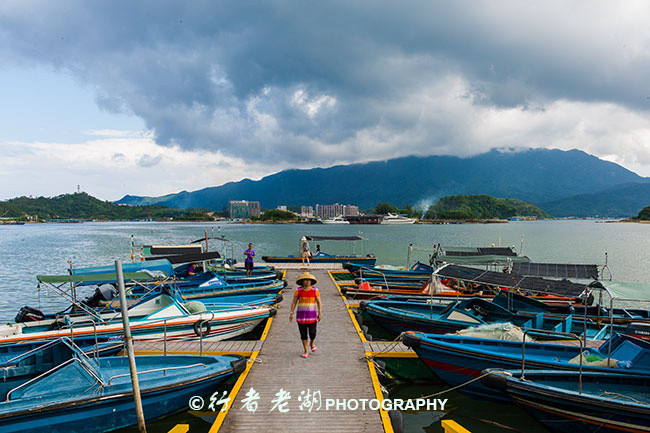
x=305, y=355
x=313, y=348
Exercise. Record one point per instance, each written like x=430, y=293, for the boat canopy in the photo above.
x=556, y=270
x=513, y=281
x=159, y=250
x=480, y=259
x=477, y=255
x=335, y=238
x=94, y=278
x=478, y=251
x=186, y=258
x=161, y=265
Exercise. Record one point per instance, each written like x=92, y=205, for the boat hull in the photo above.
x=563, y=409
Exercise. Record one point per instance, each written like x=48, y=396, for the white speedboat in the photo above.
x=397, y=219
x=337, y=220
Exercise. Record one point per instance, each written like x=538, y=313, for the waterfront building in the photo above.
x=243, y=209
x=329, y=211
x=306, y=211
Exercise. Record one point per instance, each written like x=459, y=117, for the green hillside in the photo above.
x=538, y=176
x=85, y=206
x=480, y=207
x=644, y=215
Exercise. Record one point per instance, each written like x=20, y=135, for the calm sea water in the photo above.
x=33, y=249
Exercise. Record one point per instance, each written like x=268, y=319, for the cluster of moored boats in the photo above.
x=60, y=369
x=505, y=331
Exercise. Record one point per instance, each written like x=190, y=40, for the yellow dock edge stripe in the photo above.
x=242, y=377
x=385, y=419
x=391, y=354
x=451, y=426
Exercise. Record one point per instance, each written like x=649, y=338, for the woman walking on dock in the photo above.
x=307, y=299
x=304, y=250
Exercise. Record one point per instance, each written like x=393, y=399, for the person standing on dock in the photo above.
x=248, y=263
x=304, y=250
x=307, y=300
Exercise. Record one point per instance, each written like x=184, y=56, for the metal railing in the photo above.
x=552, y=333
x=164, y=369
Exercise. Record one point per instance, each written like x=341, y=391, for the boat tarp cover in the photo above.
x=533, y=284
x=89, y=278
x=161, y=265
x=478, y=251
x=481, y=259
x=164, y=250
x=556, y=270
x=334, y=238
x=186, y=258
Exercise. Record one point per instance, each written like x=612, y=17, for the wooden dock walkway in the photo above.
x=338, y=370
x=228, y=347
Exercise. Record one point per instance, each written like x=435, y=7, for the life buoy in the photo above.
x=198, y=328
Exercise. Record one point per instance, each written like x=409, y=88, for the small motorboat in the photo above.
x=158, y=316
x=336, y=220
x=393, y=219
x=58, y=389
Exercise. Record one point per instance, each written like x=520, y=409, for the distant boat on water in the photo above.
x=338, y=220
x=397, y=219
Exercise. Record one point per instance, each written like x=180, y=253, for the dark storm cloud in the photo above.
x=321, y=82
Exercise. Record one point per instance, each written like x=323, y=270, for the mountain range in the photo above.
x=562, y=183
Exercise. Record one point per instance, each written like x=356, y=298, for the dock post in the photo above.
x=129, y=348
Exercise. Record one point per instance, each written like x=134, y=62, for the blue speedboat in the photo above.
x=59, y=389
x=570, y=402
x=457, y=359
x=402, y=316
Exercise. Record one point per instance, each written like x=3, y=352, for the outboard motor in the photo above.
x=29, y=314
x=105, y=292
x=639, y=330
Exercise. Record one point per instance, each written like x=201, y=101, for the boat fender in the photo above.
x=272, y=312
x=279, y=275
x=238, y=365
x=363, y=305
x=368, y=336
x=497, y=380
x=285, y=283
x=411, y=340
x=396, y=421
x=359, y=318
x=198, y=328
x=278, y=298
x=364, y=329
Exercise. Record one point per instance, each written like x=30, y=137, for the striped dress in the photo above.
x=307, y=309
